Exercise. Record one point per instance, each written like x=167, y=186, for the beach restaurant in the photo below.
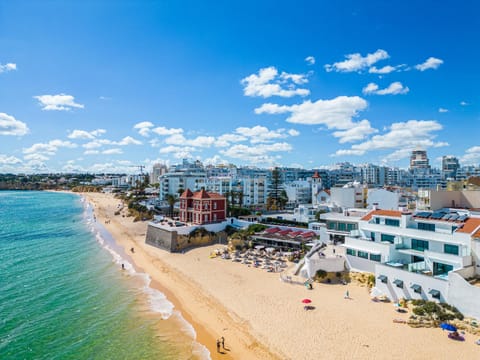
x=284, y=239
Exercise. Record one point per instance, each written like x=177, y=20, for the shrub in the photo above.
x=338, y=275
x=320, y=274
x=419, y=311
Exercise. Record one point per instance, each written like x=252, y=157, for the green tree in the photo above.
x=274, y=195
x=171, y=200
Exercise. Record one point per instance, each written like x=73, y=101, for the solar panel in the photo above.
x=453, y=217
x=462, y=218
x=446, y=217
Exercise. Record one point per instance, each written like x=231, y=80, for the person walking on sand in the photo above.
x=218, y=345
x=223, y=342
x=347, y=295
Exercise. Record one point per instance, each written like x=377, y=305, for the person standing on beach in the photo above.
x=218, y=345
x=347, y=295
x=223, y=342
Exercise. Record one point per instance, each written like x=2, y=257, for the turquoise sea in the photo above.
x=63, y=294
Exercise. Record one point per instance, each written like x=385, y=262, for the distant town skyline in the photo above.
x=105, y=86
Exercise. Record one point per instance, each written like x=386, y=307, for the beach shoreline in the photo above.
x=178, y=290
x=262, y=317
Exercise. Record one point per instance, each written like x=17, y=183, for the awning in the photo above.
x=434, y=293
x=417, y=288
x=382, y=278
x=398, y=282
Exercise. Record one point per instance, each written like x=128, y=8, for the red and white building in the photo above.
x=202, y=207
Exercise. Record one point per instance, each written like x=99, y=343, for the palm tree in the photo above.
x=171, y=199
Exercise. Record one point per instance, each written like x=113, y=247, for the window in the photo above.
x=214, y=206
x=450, y=249
x=392, y=222
x=426, y=226
x=342, y=227
x=351, y=227
x=362, y=254
x=389, y=238
x=439, y=268
x=377, y=220
x=419, y=245
x=375, y=257
x=351, y=252
x=331, y=225
x=372, y=236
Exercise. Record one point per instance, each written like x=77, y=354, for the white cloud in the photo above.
x=36, y=157
x=472, y=156
x=128, y=140
x=11, y=126
x=97, y=143
x=293, y=132
x=357, y=62
x=386, y=69
x=310, y=60
x=442, y=110
x=226, y=139
x=268, y=83
x=358, y=131
x=82, y=134
x=463, y=103
x=256, y=154
x=7, y=67
x=179, y=152
x=42, y=151
x=144, y=128
x=336, y=113
x=91, y=152
x=200, y=141
x=114, y=151
x=430, y=63
x=402, y=135
x=394, y=88
x=163, y=131
x=215, y=160
x=9, y=160
x=60, y=102
x=261, y=134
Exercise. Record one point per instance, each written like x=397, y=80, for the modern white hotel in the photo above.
x=422, y=255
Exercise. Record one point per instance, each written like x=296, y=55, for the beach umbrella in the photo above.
x=448, y=327
x=306, y=301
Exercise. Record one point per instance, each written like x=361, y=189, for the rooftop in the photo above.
x=390, y=213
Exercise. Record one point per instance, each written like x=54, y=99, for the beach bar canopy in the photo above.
x=417, y=288
x=383, y=278
x=435, y=293
x=398, y=282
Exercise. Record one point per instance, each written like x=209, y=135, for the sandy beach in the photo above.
x=262, y=317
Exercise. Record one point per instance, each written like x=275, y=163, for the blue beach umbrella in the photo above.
x=448, y=327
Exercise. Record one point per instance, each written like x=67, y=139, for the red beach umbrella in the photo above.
x=306, y=301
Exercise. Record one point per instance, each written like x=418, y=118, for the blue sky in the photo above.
x=104, y=85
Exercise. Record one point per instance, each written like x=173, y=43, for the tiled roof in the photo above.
x=202, y=194
x=215, y=196
x=470, y=225
x=186, y=194
x=390, y=213
x=477, y=234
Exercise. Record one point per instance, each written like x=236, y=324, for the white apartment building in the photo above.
x=298, y=192
x=352, y=195
x=426, y=255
